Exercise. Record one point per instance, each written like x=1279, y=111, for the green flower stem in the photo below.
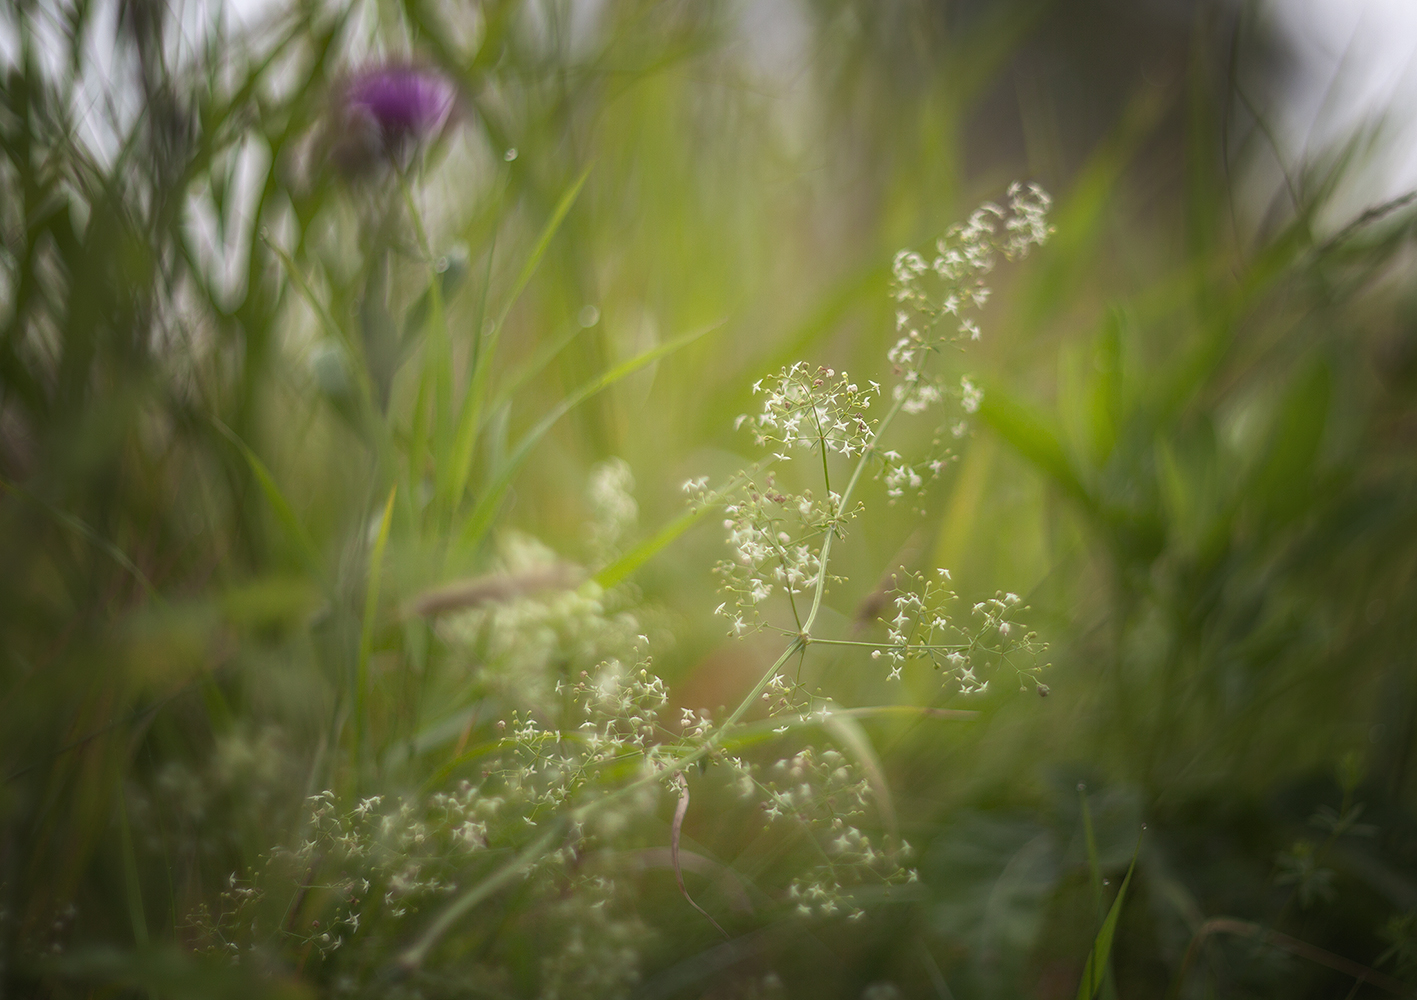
x=932, y=647
x=825, y=556
x=413, y=957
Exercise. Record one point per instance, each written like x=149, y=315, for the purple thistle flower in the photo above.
x=402, y=100
x=387, y=109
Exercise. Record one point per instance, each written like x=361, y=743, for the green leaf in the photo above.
x=280, y=506
x=1093, y=972
x=480, y=519
x=371, y=608
x=470, y=417
x=646, y=550
x=1029, y=434
x=1283, y=479
x=131, y=881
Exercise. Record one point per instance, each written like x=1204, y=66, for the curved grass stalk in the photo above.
x=412, y=958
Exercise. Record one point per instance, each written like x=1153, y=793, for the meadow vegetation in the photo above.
x=687, y=499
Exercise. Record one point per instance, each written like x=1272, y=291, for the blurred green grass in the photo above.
x=1193, y=461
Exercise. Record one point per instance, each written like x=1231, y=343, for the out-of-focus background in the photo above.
x=1194, y=457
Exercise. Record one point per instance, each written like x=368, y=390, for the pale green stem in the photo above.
x=411, y=959
x=856, y=473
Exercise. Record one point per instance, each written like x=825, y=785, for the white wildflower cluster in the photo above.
x=934, y=297
x=407, y=852
x=924, y=629
x=571, y=678
x=610, y=494
x=509, y=645
x=967, y=253
x=363, y=873
x=775, y=538
x=598, y=942
x=781, y=538
x=812, y=410
x=612, y=715
x=358, y=871
x=825, y=792
x=564, y=758
x=970, y=395
x=609, y=716
x=784, y=696
x=621, y=707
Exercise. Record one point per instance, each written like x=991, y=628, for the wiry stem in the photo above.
x=866, y=455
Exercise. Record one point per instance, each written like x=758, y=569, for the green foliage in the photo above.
x=260, y=412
